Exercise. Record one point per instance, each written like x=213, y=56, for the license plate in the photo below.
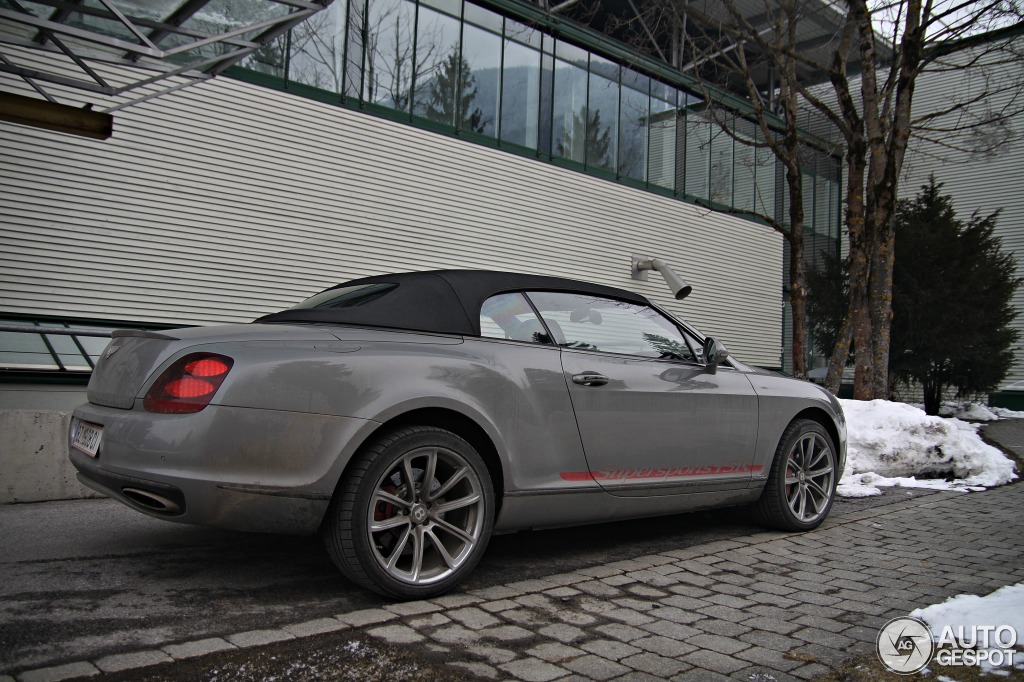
x=86, y=437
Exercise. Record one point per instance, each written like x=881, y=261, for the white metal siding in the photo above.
x=976, y=183
x=224, y=201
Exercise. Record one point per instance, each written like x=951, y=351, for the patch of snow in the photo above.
x=1005, y=606
x=895, y=444
x=945, y=678
x=970, y=411
x=1007, y=413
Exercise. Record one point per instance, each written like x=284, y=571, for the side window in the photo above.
x=509, y=316
x=605, y=324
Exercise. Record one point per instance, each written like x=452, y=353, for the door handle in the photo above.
x=589, y=379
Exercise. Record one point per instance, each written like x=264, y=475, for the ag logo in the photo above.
x=905, y=645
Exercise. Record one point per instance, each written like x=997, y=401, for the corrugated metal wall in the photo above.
x=976, y=182
x=225, y=201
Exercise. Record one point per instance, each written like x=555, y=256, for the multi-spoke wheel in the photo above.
x=802, y=481
x=413, y=514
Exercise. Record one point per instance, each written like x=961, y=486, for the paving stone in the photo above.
x=563, y=633
x=430, y=621
x=258, y=638
x=533, y=670
x=201, y=647
x=619, y=580
x=318, y=626
x=366, y=617
x=506, y=633
x=823, y=637
x=637, y=676
x=667, y=628
x=610, y=648
x=724, y=628
x=413, y=608
x=722, y=645
x=454, y=601
x=809, y=671
x=59, y=672
x=628, y=616
x=560, y=592
x=661, y=666
x=599, y=588
x=575, y=618
x=621, y=632
x=133, y=660
x=495, y=592
x=527, y=617
x=596, y=667
x=714, y=661
x=396, y=634
x=664, y=646
x=554, y=652
x=701, y=675
x=476, y=669
x=642, y=590
x=771, y=625
x=770, y=658
x=677, y=615
x=494, y=655
x=473, y=618
x=499, y=605
x=454, y=634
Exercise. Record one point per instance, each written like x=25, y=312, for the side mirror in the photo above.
x=714, y=353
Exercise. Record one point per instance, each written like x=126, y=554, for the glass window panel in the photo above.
x=546, y=122
x=268, y=58
x=522, y=33
x=698, y=146
x=602, y=122
x=722, y=163
x=572, y=54
x=354, y=48
x=745, y=165
x=450, y=6
x=520, y=92
x=483, y=17
x=437, y=67
x=318, y=48
x=509, y=316
x=602, y=324
x=634, y=119
x=389, y=53
x=662, y=131
x=606, y=68
x=480, y=80
x=765, y=182
x=569, y=120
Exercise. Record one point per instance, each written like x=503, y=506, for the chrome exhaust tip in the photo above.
x=151, y=501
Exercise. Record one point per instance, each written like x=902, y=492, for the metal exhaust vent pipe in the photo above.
x=642, y=264
x=157, y=503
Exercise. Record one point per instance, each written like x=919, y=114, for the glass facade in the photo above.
x=461, y=68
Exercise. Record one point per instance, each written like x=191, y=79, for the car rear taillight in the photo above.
x=188, y=385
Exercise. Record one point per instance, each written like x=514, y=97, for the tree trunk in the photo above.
x=881, y=310
x=798, y=303
x=932, y=397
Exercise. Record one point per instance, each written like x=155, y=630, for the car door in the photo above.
x=653, y=420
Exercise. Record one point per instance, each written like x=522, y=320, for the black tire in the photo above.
x=802, y=482
x=399, y=537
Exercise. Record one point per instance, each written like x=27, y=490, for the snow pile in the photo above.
x=892, y=444
x=970, y=411
x=1007, y=413
x=1004, y=607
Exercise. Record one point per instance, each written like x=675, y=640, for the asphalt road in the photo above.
x=87, y=578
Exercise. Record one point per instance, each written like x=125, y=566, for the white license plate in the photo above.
x=86, y=437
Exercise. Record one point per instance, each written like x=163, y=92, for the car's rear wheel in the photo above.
x=413, y=514
x=802, y=481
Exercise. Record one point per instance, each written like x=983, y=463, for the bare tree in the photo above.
x=860, y=77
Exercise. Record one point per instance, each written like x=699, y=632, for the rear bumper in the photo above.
x=240, y=468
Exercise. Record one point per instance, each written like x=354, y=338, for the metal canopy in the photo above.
x=169, y=44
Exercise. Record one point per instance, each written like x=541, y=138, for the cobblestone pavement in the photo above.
x=770, y=606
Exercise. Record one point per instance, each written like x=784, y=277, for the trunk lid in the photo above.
x=131, y=357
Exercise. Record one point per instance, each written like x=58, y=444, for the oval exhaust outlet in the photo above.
x=157, y=503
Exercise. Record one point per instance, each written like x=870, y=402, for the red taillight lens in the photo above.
x=188, y=385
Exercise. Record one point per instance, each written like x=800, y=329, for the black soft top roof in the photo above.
x=440, y=301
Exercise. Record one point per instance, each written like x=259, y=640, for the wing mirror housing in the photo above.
x=715, y=352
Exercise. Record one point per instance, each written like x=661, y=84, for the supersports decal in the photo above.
x=615, y=474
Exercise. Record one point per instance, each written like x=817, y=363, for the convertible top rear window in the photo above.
x=347, y=297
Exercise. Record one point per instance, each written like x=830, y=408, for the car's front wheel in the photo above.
x=802, y=481
x=413, y=514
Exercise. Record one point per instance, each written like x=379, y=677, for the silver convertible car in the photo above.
x=407, y=417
